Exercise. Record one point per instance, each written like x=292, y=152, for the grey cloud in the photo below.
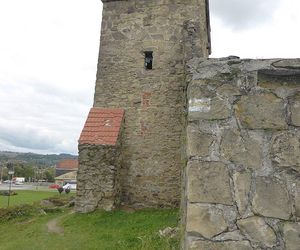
x=44, y=119
x=27, y=138
x=241, y=14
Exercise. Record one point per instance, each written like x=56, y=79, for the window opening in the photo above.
x=148, y=59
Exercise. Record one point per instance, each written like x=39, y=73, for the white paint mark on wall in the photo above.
x=199, y=105
x=107, y=123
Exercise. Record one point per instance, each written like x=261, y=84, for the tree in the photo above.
x=49, y=174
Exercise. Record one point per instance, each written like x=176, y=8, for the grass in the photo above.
x=26, y=197
x=96, y=231
x=25, y=227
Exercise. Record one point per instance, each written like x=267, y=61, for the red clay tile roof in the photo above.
x=68, y=164
x=102, y=126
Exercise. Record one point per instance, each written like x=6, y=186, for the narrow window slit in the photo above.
x=148, y=59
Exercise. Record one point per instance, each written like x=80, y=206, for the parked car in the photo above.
x=54, y=186
x=70, y=186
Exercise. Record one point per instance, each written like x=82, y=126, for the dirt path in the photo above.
x=53, y=225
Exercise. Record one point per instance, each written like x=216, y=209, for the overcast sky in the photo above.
x=48, y=59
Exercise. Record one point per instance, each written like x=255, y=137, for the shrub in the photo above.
x=7, y=193
x=17, y=212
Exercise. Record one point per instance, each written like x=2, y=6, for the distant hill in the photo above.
x=34, y=159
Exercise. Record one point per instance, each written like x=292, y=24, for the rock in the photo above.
x=297, y=198
x=169, y=232
x=285, y=149
x=228, y=90
x=209, y=108
x=198, y=143
x=242, y=149
x=288, y=63
x=258, y=231
x=279, y=80
x=234, y=236
x=47, y=203
x=205, y=220
x=228, y=245
x=261, y=111
x=208, y=182
x=242, y=186
x=295, y=109
x=291, y=235
x=271, y=199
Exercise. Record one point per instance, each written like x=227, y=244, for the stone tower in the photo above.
x=142, y=55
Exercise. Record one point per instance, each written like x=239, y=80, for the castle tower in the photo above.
x=141, y=71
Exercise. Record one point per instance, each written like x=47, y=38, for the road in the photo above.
x=25, y=187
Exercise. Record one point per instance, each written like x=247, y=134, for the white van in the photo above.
x=70, y=185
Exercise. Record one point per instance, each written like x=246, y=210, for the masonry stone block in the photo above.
x=256, y=229
x=242, y=187
x=295, y=109
x=286, y=149
x=291, y=234
x=296, y=186
x=209, y=108
x=287, y=63
x=261, y=111
x=228, y=90
x=235, y=235
x=282, y=81
x=208, y=182
x=227, y=245
x=271, y=199
x=240, y=148
x=205, y=220
x=198, y=143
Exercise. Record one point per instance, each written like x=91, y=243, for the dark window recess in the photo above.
x=148, y=59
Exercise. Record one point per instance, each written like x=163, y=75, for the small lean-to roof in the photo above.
x=67, y=164
x=102, y=126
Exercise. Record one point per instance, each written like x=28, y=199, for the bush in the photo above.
x=7, y=193
x=17, y=212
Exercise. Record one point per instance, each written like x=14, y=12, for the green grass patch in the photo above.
x=27, y=197
x=96, y=231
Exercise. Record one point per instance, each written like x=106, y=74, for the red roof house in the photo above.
x=66, y=166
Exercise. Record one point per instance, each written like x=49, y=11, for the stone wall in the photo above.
x=98, y=178
x=154, y=100
x=243, y=148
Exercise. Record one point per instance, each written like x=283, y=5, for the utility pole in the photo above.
x=1, y=176
x=10, y=173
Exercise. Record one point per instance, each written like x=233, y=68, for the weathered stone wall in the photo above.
x=98, y=178
x=154, y=100
x=243, y=149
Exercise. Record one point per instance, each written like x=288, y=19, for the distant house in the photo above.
x=70, y=178
x=66, y=166
x=66, y=171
